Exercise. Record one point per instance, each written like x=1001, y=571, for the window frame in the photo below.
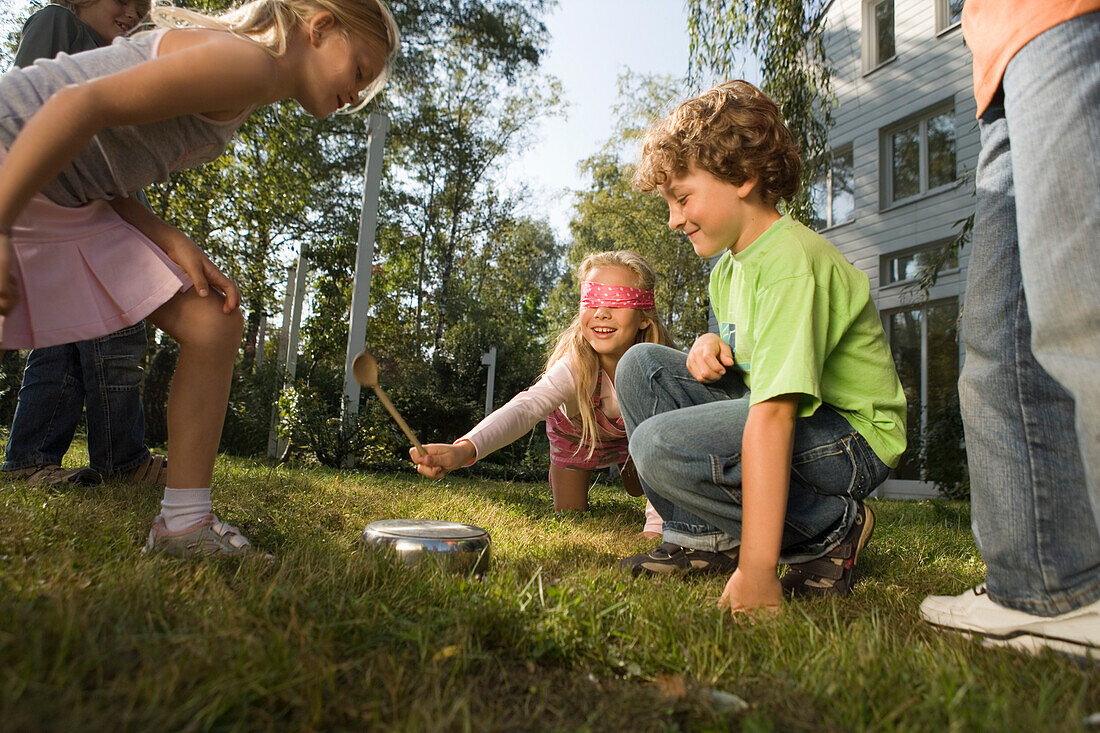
x=886, y=260
x=924, y=368
x=845, y=149
x=886, y=149
x=869, y=36
x=943, y=17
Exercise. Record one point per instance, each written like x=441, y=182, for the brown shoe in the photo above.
x=153, y=471
x=52, y=475
x=832, y=573
x=671, y=559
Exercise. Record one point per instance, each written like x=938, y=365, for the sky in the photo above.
x=591, y=43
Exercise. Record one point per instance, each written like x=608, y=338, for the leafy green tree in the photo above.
x=253, y=208
x=785, y=38
x=610, y=214
x=456, y=269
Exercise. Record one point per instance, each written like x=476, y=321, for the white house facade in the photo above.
x=902, y=150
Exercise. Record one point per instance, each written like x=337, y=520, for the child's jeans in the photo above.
x=685, y=437
x=106, y=374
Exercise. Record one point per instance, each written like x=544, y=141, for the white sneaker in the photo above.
x=974, y=612
x=211, y=536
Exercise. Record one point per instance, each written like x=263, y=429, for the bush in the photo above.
x=11, y=377
x=248, y=415
x=943, y=449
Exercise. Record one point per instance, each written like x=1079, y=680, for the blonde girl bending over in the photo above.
x=576, y=394
x=80, y=257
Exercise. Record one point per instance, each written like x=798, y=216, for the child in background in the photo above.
x=104, y=373
x=72, y=26
x=576, y=394
x=764, y=441
x=80, y=257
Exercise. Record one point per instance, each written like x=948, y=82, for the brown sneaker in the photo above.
x=671, y=559
x=831, y=574
x=52, y=475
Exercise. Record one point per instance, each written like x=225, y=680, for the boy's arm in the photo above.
x=766, y=446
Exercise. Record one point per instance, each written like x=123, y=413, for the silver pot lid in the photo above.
x=424, y=529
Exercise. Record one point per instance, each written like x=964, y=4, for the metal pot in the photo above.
x=462, y=548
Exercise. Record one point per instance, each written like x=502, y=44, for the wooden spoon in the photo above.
x=365, y=370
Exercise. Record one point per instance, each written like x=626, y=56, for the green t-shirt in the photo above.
x=800, y=320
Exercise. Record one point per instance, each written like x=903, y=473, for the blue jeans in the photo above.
x=105, y=373
x=1030, y=386
x=685, y=439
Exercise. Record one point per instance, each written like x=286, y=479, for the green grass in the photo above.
x=93, y=636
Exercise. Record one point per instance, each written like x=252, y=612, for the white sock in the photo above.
x=183, y=508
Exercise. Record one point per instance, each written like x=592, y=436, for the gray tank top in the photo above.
x=119, y=160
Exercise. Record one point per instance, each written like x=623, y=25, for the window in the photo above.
x=878, y=33
x=948, y=14
x=919, y=155
x=907, y=266
x=924, y=343
x=832, y=196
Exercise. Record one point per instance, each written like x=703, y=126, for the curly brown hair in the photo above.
x=734, y=132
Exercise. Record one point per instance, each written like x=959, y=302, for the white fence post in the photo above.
x=378, y=125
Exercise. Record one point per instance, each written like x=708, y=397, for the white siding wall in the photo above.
x=928, y=68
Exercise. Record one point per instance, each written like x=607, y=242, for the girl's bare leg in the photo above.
x=629, y=475
x=570, y=488
x=209, y=340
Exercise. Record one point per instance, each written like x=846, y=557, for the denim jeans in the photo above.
x=1030, y=385
x=105, y=374
x=685, y=439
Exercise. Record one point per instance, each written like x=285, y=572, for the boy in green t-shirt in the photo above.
x=760, y=446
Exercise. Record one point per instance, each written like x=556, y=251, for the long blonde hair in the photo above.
x=269, y=23
x=583, y=359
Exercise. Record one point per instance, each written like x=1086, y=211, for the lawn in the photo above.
x=93, y=636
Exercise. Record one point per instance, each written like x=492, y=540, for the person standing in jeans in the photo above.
x=102, y=373
x=1030, y=386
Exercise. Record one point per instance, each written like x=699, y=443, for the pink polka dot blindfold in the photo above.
x=596, y=295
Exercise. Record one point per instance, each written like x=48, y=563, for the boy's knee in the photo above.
x=628, y=369
x=647, y=450
x=632, y=369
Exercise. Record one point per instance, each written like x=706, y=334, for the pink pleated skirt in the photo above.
x=82, y=272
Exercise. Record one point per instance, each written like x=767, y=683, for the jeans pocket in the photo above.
x=120, y=374
x=833, y=469
x=726, y=474
x=118, y=358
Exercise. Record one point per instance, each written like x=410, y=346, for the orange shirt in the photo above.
x=996, y=29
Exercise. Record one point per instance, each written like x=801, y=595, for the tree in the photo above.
x=456, y=269
x=785, y=37
x=610, y=214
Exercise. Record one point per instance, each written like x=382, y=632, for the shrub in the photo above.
x=943, y=448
